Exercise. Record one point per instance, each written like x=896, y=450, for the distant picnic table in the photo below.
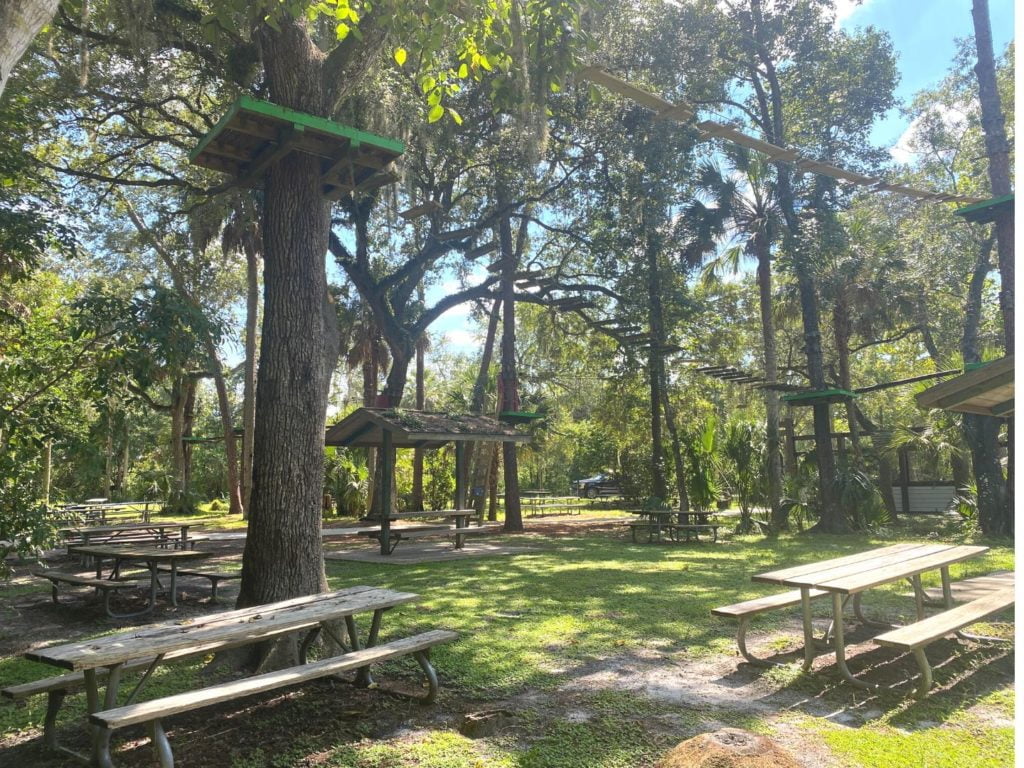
x=153, y=558
x=655, y=522
x=145, y=648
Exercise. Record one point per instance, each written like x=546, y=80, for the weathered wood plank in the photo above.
x=766, y=603
x=190, y=700
x=852, y=569
x=793, y=571
x=241, y=626
x=923, y=632
x=911, y=567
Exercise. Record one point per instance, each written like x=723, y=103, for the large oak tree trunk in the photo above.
x=283, y=555
x=20, y=22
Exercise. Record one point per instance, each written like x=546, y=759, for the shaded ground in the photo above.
x=592, y=651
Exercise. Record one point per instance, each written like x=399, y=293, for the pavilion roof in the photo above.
x=418, y=429
x=988, y=390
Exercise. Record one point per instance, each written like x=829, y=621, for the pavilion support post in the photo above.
x=905, y=480
x=387, y=469
x=460, y=474
x=789, y=431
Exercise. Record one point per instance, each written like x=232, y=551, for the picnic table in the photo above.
x=460, y=530
x=128, y=533
x=673, y=522
x=845, y=579
x=145, y=648
x=151, y=557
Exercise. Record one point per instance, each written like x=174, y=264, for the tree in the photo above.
x=748, y=210
x=816, y=88
x=20, y=21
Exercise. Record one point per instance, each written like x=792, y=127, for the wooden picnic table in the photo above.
x=151, y=557
x=111, y=533
x=848, y=577
x=110, y=654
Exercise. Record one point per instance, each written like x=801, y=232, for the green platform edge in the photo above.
x=819, y=394
x=294, y=117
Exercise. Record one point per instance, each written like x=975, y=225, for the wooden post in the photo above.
x=905, y=480
x=789, y=433
x=460, y=474
x=387, y=469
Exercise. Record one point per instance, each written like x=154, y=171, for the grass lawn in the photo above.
x=600, y=653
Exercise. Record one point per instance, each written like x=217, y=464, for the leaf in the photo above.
x=401, y=56
x=427, y=84
x=463, y=70
x=484, y=62
x=455, y=116
x=436, y=113
x=342, y=31
x=555, y=87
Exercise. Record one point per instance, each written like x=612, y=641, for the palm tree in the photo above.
x=744, y=211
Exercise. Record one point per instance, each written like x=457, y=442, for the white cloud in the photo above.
x=461, y=340
x=847, y=8
x=906, y=148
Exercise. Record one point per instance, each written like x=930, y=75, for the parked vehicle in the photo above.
x=599, y=485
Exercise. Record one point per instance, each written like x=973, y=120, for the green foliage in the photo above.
x=439, y=478
x=744, y=452
x=703, y=465
x=345, y=480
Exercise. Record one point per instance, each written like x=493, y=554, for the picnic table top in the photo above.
x=239, y=626
x=126, y=527
x=432, y=513
x=855, y=573
x=128, y=552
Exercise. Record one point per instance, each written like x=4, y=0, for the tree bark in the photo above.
x=509, y=378
x=20, y=22
x=998, y=149
x=479, y=455
x=981, y=433
x=417, y=455
x=283, y=555
x=656, y=360
x=252, y=299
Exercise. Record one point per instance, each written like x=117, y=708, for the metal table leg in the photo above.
x=837, y=629
x=809, y=643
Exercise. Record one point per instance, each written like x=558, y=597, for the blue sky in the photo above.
x=924, y=34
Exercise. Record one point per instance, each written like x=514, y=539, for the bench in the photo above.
x=746, y=610
x=152, y=712
x=106, y=586
x=214, y=577
x=917, y=636
x=969, y=589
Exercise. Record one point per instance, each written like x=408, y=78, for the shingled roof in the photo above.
x=418, y=429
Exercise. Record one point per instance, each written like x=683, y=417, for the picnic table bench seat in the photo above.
x=106, y=586
x=746, y=610
x=152, y=712
x=917, y=636
x=214, y=577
